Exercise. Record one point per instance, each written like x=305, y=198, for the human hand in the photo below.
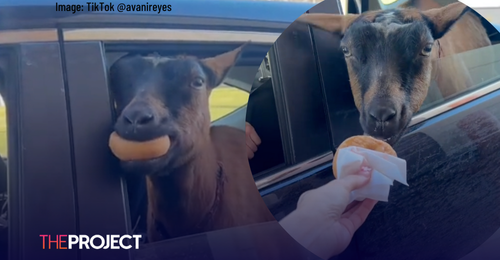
x=253, y=140
x=324, y=221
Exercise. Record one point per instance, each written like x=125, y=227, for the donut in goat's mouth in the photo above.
x=126, y=150
x=363, y=141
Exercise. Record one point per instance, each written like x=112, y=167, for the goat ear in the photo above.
x=220, y=65
x=440, y=20
x=335, y=23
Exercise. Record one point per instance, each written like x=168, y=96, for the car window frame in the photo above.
x=31, y=65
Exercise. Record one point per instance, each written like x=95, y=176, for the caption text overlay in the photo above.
x=112, y=7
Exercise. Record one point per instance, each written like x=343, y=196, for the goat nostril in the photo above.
x=128, y=120
x=144, y=119
x=138, y=118
x=383, y=114
x=390, y=115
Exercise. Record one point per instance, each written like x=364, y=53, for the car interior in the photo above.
x=300, y=101
x=262, y=115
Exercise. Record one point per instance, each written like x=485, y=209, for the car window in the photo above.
x=262, y=114
x=481, y=69
x=370, y=5
x=300, y=100
x=477, y=70
x=488, y=11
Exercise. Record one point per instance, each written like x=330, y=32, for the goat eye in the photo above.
x=197, y=82
x=346, y=51
x=426, y=51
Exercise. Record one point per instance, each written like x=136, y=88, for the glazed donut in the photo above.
x=126, y=150
x=366, y=142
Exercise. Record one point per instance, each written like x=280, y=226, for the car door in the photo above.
x=36, y=145
x=303, y=117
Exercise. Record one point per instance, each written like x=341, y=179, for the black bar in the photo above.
x=40, y=172
x=103, y=208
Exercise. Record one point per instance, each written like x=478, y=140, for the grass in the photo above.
x=223, y=101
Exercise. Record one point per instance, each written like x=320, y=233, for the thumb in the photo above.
x=357, y=180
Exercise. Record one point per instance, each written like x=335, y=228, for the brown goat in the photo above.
x=393, y=56
x=204, y=182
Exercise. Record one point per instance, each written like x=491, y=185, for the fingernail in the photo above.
x=365, y=170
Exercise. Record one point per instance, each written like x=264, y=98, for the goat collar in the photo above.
x=207, y=220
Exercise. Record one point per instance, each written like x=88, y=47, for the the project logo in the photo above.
x=94, y=242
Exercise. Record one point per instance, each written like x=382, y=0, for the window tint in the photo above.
x=300, y=102
x=469, y=71
x=489, y=13
x=353, y=6
x=481, y=67
x=263, y=116
x=369, y=5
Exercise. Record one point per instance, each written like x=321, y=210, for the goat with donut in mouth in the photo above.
x=198, y=176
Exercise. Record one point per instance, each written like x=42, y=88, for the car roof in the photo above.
x=285, y=12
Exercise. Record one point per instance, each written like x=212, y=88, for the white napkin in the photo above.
x=386, y=169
